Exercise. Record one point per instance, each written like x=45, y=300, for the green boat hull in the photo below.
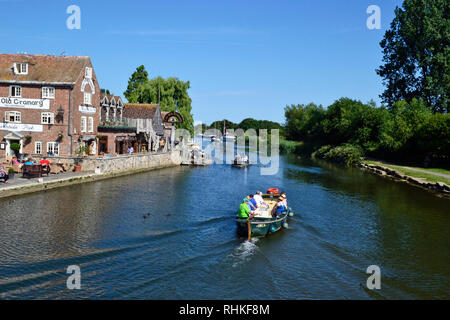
x=261, y=227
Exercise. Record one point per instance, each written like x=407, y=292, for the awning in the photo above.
x=119, y=139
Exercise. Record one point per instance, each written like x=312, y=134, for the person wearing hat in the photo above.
x=283, y=195
x=251, y=204
x=244, y=209
x=278, y=207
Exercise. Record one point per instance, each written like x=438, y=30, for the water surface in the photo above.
x=186, y=247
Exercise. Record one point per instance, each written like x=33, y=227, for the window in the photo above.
x=53, y=148
x=47, y=118
x=83, y=124
x=90, y=124
x=48, y=92
x=88, y=73
x=21, y=68
x=15, y=91
x=87, y=98
x=12, y=116
x=38, y=147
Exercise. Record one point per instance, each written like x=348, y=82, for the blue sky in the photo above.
x=242, y=58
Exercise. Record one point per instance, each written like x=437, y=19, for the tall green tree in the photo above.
x=138, y=78
x=171, y=94
x=416, y=54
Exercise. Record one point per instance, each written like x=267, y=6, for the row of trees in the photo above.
x=405, y=131
x=415, y=124
x=171, y=94
x=248, y=123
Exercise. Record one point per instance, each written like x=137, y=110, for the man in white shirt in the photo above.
x=258, y=198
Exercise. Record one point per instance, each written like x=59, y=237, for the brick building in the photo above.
x=48, y=104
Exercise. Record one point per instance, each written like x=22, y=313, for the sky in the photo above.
x=243, y=58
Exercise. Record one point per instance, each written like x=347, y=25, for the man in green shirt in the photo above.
x=244, y=210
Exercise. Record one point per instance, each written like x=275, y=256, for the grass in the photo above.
x=430, y=177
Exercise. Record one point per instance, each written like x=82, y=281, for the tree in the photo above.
x=171, y=94
x=219, y=125
x=416, y=54
x=138, y=78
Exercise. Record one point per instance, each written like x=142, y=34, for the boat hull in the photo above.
x=261, y=227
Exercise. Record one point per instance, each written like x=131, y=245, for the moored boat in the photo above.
x=263, y=223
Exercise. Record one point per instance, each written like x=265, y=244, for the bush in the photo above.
x=287, y=146
x=345, y=154
x=15, y=147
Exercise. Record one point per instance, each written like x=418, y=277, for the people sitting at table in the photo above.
x=15, y=162
x=3, y=174
x=29, y=162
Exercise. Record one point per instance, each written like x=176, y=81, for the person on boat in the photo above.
x=253, y=201
x=283, y=195
x=278, y=208
x=259, y=199
x=250, y=203
x=244, y=210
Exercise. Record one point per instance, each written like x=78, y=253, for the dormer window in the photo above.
x=21, y=68
x=88, y=73
x=15, y=91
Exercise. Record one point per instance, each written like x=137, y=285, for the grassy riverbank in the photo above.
x=432, y=175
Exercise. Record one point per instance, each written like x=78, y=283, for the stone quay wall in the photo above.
x=121, y=163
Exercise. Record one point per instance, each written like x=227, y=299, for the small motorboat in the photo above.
x=241, y=161
x=263, y=223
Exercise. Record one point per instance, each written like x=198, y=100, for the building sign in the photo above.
x=6, y=102
x=85, y=109
x=21, y=127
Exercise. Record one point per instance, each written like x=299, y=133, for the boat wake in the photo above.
x=244, y=252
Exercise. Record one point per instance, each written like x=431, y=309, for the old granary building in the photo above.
x=48, y=104
x=53, y=105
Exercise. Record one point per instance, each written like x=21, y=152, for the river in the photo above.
x=186, y=247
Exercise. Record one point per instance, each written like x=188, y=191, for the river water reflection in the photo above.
x=186, y=247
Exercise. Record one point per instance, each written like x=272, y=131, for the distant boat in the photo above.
x=226, y=136
x=241, y=161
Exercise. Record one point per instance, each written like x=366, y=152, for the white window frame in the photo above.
x=48, y=93
x=47, y=118
x=16, y=114
x=90, y=124
x=38, y=147
x=83, y=124
x=21, y=68
x=17, y=88
x=88, y=73
x=87, y=98
x=52, y=146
